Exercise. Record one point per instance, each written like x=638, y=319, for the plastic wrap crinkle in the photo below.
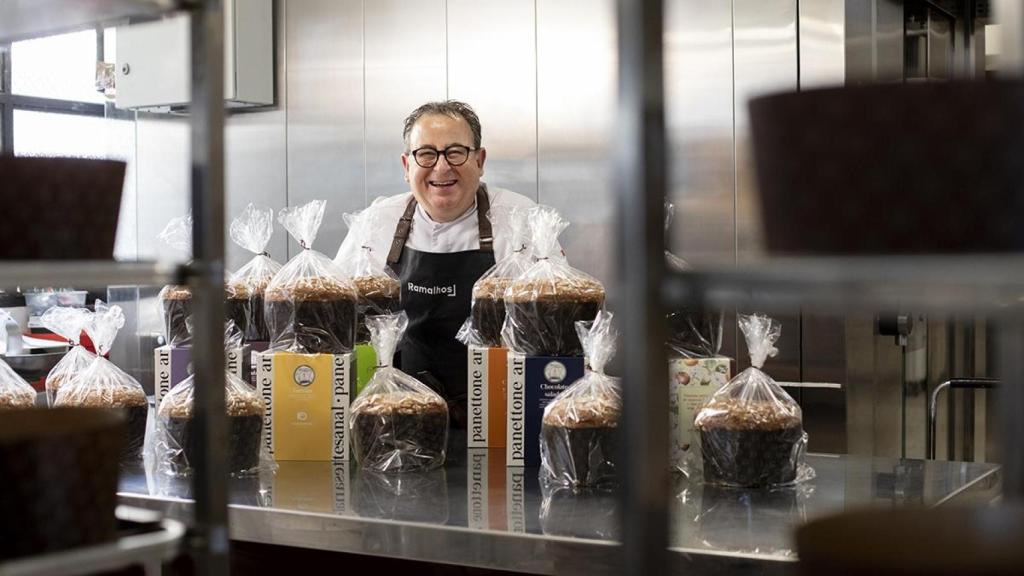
x=15, y=393
x=378, y=287
x=751, y=430
x=398, y=424
x=176, y=445
x=579, y=430
x=487, y=307
x=104, y=385
x=310, y=304
x=68, y=323
x=243, y=295
x=176, y=300
x=544, y=303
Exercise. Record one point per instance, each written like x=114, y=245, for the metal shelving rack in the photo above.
x=991, y=284
x=22, y=19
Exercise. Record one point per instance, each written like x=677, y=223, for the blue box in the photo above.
x=533, y=382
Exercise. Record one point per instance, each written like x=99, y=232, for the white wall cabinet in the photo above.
x=153, y=59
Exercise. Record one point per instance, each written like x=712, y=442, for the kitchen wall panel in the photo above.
x=576, y=92
x=492, y=65
x=405, y=65
x=325, y=137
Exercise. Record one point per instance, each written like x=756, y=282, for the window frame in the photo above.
x=9, y=102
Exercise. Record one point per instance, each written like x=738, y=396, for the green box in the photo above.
x=366, y=362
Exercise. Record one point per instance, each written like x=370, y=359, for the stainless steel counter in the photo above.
x=477, y=512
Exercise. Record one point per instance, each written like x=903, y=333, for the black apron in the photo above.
x=436, y=295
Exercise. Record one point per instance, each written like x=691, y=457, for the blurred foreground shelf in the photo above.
x=23, y=19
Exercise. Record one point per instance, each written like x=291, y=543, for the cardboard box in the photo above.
x=172, y=364
x=487, y=391
x=306, y=397
x=254, y=348
x=366, y=364
x=533, y=381
x=691, y=382
x=485, y=489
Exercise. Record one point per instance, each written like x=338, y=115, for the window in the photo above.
x=49, y=104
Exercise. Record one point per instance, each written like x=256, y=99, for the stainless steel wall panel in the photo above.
x=576, y=100
x=325, y=138
x=162, y=181
x=889, y=40
x=492, y=65
x=822, y=43
x=860, y=384
x=823, y=360
x=765, y=56
x=405, y=59
x=765, y=61
x=699, y=121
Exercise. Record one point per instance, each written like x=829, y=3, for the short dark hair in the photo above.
x=452, y=108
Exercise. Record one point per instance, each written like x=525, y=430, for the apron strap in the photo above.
x=483, y=209
x=402, y=232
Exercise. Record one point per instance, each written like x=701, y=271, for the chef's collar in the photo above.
x=438, y=226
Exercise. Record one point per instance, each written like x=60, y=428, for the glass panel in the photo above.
x=61, y=67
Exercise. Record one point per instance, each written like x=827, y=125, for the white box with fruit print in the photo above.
x=691, y=382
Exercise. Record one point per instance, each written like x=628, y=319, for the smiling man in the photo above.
x=440, y=237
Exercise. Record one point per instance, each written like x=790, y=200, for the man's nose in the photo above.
x=442, y=158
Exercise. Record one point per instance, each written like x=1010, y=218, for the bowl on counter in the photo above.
x=60, y=470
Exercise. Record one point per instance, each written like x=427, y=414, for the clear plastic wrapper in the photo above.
x=543, y=305
x=751, y=430
x=398, y=424
x=487, y=308
x=68, y=323
x=310, y=305
x=176, y=300
x=243, y=295
x=691, y=333
x=378, y=287
x=579, y=431
x=175, y=444
x=15, y=392
x=104, y=385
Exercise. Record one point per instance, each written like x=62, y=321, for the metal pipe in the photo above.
x=641, y=183
x=954, y=384
x=210, y=540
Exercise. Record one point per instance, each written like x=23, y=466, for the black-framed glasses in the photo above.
x=456, y=155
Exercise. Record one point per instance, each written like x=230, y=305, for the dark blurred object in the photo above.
x=904, y=169
x=942, y=542
x=59, y=208
x=59, y=471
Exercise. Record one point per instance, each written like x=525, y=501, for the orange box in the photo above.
x=487, y=391
x=486, y=494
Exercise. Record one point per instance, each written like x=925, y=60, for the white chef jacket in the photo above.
x=459, y=235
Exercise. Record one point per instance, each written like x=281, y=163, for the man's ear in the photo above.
x=405, y=166
x=481, y=157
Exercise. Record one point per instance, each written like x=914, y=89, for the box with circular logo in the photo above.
x=306, y=397
x=533, y=381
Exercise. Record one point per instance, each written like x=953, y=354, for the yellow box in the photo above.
x=487, y=371
x=306, y=397
x=691, y=382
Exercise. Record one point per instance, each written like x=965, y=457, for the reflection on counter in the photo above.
x=742, y=520
x=580, y=512
x=413, y=496
x=476, y=490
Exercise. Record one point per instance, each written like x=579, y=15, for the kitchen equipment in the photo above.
x=14, y=304
x=59, y=470
x=39, y=302
x=59, y=208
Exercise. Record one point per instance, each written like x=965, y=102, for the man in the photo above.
x=439, y=239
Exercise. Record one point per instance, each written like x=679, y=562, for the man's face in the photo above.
x=444, y=191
